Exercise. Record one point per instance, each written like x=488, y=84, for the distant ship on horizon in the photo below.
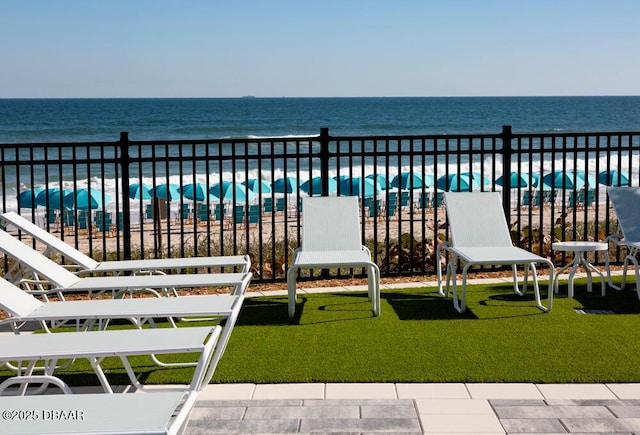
x=248, y=96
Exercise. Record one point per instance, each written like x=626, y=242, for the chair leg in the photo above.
x=291, y=289
x=373, y=278
x=460, y=303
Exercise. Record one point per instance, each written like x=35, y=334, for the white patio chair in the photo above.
x=94, y=346
x=480, y=236
x=331, y=239
x=22, y=307
x=241, y=263
x=62, y=280
x=626, y=203
x=155, y=414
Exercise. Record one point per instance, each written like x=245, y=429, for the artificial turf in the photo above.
x=419, y=337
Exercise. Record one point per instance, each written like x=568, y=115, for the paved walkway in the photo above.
x=417, y=408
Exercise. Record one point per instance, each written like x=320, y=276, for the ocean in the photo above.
x=96, y=120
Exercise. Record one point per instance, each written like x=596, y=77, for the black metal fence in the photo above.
x=236, y=196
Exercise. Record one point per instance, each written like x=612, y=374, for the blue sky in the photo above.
x=298, y=48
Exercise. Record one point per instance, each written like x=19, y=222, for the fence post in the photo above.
x=126, y=209
x=324, y=160
x=506, y=170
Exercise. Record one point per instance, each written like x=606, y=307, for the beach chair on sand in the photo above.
x=22, y=307
x=626, y=203
x=158, y=413
x=480, y=236
x=331, y=239
x=240, y=263
x=94, y=346
x=43, y=269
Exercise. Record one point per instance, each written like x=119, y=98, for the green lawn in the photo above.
x=419, y=337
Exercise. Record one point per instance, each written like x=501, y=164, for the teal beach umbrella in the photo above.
x=139, y=191
x=27, y=198
x=225, y=191
x=407, y=181
x=314, y=186
x=564, y=180
x=258, y=186
x=478, y=179
x=195, y=191
x=589, y=179
x=363, y=187
x=516, y=179
x=457, y=183
x=614, y=178
x=168, y=192
x=85, y=199
x=285, y=185
x=429, y=180
x=380, y=179
x=54, y=196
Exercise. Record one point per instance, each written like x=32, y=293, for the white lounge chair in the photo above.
x=480, y=236
x=626, y=203
x=240, y=263
x=331, y=238
x=43, y=268
x=28, y=349
x=22, y=307
x=158, y=413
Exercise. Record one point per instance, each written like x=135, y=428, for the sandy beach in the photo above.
x=183, y=235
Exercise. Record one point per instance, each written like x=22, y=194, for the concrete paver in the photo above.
x=417, y=408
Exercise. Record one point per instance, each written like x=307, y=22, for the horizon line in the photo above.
x=256, y=97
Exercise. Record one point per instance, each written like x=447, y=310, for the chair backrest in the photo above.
x=476, y=219
x=16, y=301
x=51, y=241
x=331, y=224
x=39, y=263
x=626, y=203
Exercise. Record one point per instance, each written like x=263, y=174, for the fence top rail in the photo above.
x=238, y=140
x=573, y=134
x=82, y=144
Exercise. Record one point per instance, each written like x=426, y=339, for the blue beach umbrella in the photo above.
x=457, y=183
x=564, y=180
x=589, y=180
x=314, y=186
x=195, y=191
x=407, y=181
x=478, y=179
x=516, y=179
x=168, y=192
x=429, y=180
x=285, y=185
x=363, y=187
x=226, y=190
x=614, y=178
x=55, y=197
x=27, y=198
x=84, y=199
x=378, y=178
x=258, y=185
x=139, y=191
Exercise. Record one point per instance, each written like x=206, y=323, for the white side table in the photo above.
x=579, y=249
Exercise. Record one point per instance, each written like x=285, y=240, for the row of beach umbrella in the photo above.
x=368, y=186
x=59, y=198
x=566, y=179
x=371, y=185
